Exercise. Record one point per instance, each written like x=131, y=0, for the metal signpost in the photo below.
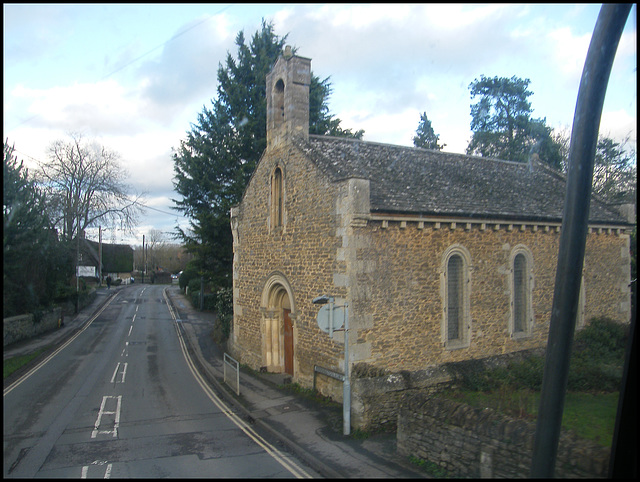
x=331, y=318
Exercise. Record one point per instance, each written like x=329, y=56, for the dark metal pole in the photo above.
x=623, y=463
x=584, y=136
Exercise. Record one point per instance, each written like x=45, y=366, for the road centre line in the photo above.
x=296, y=471
x=67, y=343
x=124, y=373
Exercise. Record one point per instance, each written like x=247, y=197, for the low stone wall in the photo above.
x=18, y=328
x=473, y=442
x=23, y=327
x=376, y=396
x=375, y=401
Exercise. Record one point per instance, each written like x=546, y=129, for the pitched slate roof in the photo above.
x=417, y=181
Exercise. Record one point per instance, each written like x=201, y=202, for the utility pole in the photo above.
x=78, y=268
x=100, y=254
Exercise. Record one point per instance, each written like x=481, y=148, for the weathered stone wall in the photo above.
x=398, y=288
x=302, y=251
x=390, y=274
x=388, y=268
x=377, y=395
x=23, y=327
x=376, y=400
x=472, y=442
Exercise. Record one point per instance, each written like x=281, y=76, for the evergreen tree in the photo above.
x=33, y=260
x=425, y=136
x=214, y=164
x=502, y=125
x=543, y=142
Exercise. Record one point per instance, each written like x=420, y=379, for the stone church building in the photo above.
x=439, y=257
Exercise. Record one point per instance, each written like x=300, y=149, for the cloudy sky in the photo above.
x=134, y=77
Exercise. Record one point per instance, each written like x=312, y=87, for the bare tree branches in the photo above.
x=86, y=186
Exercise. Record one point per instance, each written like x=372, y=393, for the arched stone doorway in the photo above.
x=278, y=334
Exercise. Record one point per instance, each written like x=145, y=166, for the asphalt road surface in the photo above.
x=122, y=399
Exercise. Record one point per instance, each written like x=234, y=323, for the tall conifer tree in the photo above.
x=213, y=165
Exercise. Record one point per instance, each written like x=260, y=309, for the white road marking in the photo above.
x=102, y=412
x=287, y=463
x=48, y=359
x=107, y=472
x=122, y=374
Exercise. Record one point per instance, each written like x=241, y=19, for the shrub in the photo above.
x=598, y=356
x=194, y=285
x=473, y=376
x=224, y=309
x=65, y=293
x=596, y=364
x=190, y=272
x=603, y=339
x=527, y=373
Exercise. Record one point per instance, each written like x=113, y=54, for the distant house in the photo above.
x=117, y=260
x=440, y=257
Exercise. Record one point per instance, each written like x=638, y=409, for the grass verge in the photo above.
x=591, y=416
x=10, y=365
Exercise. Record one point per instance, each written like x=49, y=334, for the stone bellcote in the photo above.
x=288, y=98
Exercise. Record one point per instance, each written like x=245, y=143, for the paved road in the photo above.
x=121, y=399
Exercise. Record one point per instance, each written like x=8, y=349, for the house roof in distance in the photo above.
x=416, y=181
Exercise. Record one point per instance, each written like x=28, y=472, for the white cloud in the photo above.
x=619, y=125
x=187, y=67
x=387, y=63
x=102, y=107
x=568, y=51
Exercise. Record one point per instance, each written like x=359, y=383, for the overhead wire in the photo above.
x=122, y=68
x=143, y=55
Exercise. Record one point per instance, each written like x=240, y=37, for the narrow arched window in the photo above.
x=455, y=291
x=456, y=288
x=276, y=198
x=278, y=102
x=520, y=298
x=521, y=287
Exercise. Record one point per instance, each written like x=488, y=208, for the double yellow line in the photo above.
x=241, y=424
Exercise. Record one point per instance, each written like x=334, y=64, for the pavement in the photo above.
x=309, y=428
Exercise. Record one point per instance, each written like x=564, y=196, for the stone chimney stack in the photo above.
x=288, y=98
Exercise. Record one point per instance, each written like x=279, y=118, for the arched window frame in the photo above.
x=274, y=291
x=276, y=218
x=464, y=328
x=527, y=298
x=278, y=102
